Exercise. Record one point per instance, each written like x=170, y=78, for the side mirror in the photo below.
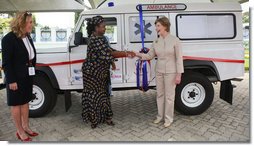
x=85, y=41
x=78, y=39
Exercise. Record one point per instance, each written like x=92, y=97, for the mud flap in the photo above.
x=226, y=91
x=68, y=102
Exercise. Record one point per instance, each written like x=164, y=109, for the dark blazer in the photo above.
x=15, y=58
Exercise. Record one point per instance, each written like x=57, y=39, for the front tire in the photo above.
x=194, y=94
x=45, y=97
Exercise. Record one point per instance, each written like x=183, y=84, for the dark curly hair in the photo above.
x=92, y=23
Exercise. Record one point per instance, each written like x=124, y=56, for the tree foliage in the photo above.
x=4, y=23
x=246, y=17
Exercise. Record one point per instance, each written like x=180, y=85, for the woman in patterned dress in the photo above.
x=95, y=97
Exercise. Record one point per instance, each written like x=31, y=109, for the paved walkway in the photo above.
x=134, y=112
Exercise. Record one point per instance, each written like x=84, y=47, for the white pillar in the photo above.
x=38, y=33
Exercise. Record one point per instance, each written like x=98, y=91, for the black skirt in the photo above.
x=24, y=93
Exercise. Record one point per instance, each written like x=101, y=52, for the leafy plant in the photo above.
x=4, y=23
x=246, y=17
x=246, y=45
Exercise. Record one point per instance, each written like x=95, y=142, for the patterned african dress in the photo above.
x=95, y=97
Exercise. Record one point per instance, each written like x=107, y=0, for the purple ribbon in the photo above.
x=142, y=65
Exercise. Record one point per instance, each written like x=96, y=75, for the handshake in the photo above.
x=132, y=54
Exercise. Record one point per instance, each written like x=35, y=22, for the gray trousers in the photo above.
x=165, y=84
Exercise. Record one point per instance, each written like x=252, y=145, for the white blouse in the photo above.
x=29, y=48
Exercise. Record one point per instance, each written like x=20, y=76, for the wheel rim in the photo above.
x=39, y=98
x=193, y=94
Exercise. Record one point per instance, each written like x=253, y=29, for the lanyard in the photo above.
x=29, y=47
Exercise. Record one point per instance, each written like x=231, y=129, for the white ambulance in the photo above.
x=211, y=37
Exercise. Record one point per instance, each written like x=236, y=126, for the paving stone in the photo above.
x=134, y=112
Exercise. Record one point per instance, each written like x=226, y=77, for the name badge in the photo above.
x=31, y=71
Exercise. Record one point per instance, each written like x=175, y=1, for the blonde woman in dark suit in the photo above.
x=19, y=59
x=169, y=68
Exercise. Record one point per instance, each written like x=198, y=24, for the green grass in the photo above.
x=246, y=64
x=0, y=65
x=247, y=60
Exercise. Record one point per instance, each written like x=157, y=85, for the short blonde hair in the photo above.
x=164, y=22
x=18, y=23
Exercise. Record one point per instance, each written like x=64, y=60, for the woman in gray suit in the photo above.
x=169, y=68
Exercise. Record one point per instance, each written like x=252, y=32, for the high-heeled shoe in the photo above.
x=23, y=140
x=32, y=134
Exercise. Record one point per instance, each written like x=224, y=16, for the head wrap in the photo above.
x=95, y=20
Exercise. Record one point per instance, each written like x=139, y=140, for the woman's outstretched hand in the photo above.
x=137, y=54
x=130, y=54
